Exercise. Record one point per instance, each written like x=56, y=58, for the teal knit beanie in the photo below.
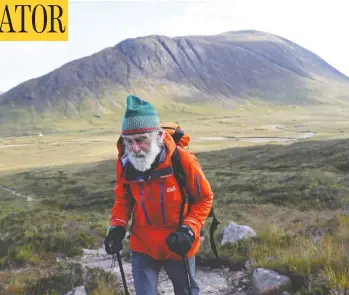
x=140, y=117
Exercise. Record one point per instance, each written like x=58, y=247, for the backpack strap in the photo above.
x=180, y=176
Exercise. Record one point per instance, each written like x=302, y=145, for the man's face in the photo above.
x=138, y=144
x=142, y=149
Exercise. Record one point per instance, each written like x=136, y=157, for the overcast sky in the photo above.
x=320, y=26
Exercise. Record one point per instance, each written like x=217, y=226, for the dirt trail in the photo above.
x=211, y=281
x=13, y=192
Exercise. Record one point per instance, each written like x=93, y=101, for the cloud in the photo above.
x=320, y=26
x=143, y=1
x=93, y=25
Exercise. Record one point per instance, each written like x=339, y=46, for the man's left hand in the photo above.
x=181, y=241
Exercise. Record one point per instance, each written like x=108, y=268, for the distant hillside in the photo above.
x=227, y=68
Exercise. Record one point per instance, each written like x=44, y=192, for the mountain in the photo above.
x=228, y=68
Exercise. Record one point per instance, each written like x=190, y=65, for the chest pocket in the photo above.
x=157, y=203
x=172, y=201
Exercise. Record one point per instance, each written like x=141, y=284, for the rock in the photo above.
x=78, y=291
x=235, y=232
x=248, y=264
x=268, y=282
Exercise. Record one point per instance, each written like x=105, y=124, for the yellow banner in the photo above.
x=34, y=20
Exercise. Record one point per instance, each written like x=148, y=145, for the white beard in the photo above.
x=144, y=163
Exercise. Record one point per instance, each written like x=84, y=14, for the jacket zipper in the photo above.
x=197, y=185
x=162, y=202
x=143, y=205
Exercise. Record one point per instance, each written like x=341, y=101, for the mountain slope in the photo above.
x=223, y=69
x=229, y=65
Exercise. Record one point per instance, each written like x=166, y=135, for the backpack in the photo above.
x=182, y=139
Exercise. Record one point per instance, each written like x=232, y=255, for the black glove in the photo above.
x=181, y=241
x=113, y=240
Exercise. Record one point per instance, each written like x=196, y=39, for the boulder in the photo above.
x=268, y=282
x=235, y=232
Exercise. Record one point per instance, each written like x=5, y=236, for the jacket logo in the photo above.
x=171, y=189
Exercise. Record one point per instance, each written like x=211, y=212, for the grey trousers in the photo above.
x=145, y=271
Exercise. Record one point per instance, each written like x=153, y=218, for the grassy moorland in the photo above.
x=293, y=194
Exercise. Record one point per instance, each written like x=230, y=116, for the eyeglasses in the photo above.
x=138, y=140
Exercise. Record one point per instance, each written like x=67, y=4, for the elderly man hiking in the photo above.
x=165, y=229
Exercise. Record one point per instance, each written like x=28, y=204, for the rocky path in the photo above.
x=211, y=281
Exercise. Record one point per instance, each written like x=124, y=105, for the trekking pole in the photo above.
x=122, y=273
x=187, y=273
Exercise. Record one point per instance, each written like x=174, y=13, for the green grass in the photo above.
x=288, y=193
x=240, y=118
x=48, y=230
x=58, y=278
x=83, y=142
x=292, y=196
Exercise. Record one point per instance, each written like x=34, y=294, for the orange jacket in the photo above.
x=156, y=203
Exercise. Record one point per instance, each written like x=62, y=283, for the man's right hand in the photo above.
x=113, y=241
